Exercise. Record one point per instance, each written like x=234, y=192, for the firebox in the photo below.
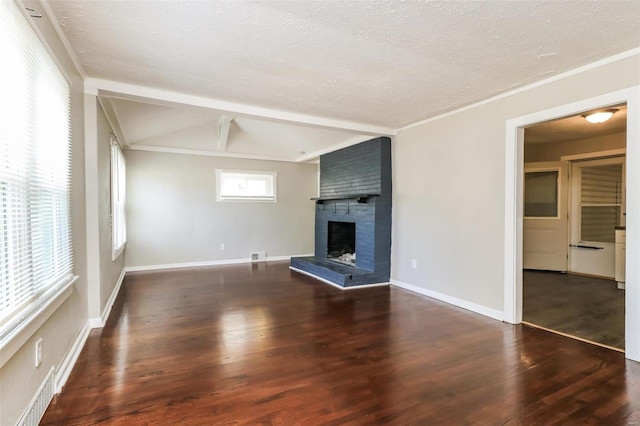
x=341, y=243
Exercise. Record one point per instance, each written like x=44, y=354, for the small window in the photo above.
x=541, y=194
x=241, y=185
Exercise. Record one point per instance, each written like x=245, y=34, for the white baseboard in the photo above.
x=464, y=304
x=112, y=299
x=100, y=322
x=94, y=323
x=355, y=287
x=69, y=361
x=205, y=263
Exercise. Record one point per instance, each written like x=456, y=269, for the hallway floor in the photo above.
x=585, y=307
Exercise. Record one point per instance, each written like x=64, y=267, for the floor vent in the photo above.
x=259, y=256
x=40, y=402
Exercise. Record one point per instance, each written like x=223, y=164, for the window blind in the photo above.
x=601, y=201
x=36, y=245
x=602, y=184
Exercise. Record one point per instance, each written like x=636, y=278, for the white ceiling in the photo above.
x=197, y=130
x=313, y=75
x=576, y=127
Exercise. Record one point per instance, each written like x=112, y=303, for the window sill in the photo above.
x=115, y=254
x=32, y=320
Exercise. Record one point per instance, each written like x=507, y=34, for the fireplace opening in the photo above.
x=341, y=245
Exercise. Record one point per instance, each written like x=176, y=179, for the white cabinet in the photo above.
x=621, y=240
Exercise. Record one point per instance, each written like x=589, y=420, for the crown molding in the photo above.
x=114, y=121
x=187, y=151
x=48, y=11
x=164, y=97
x=606, y=61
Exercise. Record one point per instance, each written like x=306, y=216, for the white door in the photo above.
x=597, y=207
x=545, y=229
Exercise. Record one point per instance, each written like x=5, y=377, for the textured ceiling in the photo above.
x=145, y=125
x=576, y=127
x=384, y=63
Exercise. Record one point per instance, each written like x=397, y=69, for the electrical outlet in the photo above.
x=38, y=352
x=414, y=263
x=221, y=246
x=259, y=256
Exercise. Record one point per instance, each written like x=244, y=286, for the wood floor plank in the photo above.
x=259, y=344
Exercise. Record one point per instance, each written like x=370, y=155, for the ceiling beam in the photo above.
x=223, y=132
x=112, y=118
x=152, y=148
x=164, y=97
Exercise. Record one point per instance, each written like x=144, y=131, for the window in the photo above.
x=118, y=192
x=541, y=194
x=235, y=185
x=35, y=150
x=600, y=202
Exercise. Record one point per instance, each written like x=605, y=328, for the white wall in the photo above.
x=449, y=180
x=19, y=379
x=102, y=272
x=173, y=216
x=109, y=270
x=534, y=152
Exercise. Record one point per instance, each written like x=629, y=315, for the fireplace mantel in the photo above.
x=360, y=198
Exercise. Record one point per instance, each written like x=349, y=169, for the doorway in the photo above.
x=572, y=206
x=514, y=206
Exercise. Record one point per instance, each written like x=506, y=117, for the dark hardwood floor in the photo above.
x=258, y=344
x=585, y=307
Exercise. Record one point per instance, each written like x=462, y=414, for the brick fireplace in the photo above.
x=353, y=217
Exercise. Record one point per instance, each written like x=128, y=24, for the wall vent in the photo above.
x=40, y=402
x=259, y=256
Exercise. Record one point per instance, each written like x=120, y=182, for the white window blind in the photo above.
x=601, y=202
x=246, y=185
x=118, y=197
x=35, y=246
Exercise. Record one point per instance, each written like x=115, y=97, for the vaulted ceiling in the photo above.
x=293, y=79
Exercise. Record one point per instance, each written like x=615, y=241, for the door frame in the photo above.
x=514, y=172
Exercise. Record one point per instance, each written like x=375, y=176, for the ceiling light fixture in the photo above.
x=599, y=116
